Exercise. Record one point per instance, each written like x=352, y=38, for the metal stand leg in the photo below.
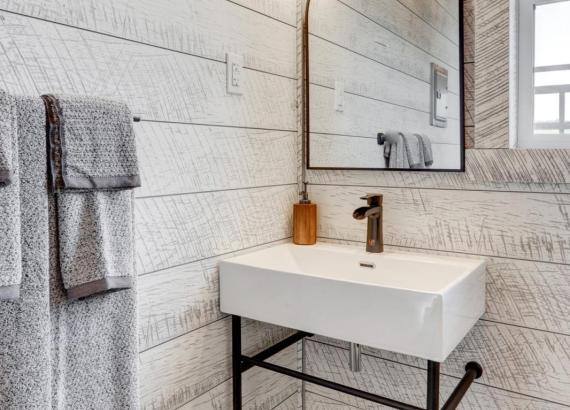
x=236, y=361
x=433, y=386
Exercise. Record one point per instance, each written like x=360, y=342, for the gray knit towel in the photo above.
x=8, y=158
x=91, y=144
x=407, y=151
x=395, y=150
x=93, y=168
x=10, y=243
x=96, y=241
x=426, y=146
x=415, y=151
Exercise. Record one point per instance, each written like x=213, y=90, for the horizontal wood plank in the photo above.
x=517, y=359
x=176, y=230
x=182, y=158
x=177, y=300
x=261, y=390
x=492, y=170
x=436, y=17
x=513, y=225
x=366, y=117
x=283, y=10
x=368, y=78
x=339, y=151
x=191, y=27
x=183, y=369
x=404, y=383
x=334, y=21
x=396, y=18
x=157, y=84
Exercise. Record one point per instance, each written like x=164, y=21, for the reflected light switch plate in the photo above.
x=234, y=73
x=339, y=96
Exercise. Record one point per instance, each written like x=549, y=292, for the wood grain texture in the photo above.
x=436, y=17
x=168, y=64
x=515, y=225
x=516, y=359
x=348, y=27
x=176, y=230
x=181, y=158
x=400, y=20
x=366, y=117
x=262, y=389
x=368, y=78
x=292, y=403
x=179, y=300
x=283, y=10
x=183, y=369
x=486, y=170
x=405, y=383
x=189, y=27
x=492, y=73
x=356, y=152
x=184, y=88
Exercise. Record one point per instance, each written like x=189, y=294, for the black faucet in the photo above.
x=375, y=237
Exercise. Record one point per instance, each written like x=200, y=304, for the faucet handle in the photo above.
x=373, y=199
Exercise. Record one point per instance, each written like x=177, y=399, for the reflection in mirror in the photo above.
x=385, y=84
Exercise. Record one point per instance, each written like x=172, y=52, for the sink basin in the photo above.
x=416, y=304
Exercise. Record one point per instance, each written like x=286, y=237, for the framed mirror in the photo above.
x=384, y=85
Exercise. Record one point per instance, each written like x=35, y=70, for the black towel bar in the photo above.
x=381, y=138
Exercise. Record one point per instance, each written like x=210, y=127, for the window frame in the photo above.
x=526, y=89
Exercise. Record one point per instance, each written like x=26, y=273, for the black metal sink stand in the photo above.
x=241, y=363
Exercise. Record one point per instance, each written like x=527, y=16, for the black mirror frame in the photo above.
x=305, y=118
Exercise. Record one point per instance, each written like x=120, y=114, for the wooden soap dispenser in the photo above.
x=304, y=220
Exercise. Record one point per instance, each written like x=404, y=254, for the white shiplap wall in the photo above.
x=498, y=208
x=219, y=171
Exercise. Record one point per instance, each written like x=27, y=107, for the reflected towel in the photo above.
x=407, y=151
x=395, y=150
x=93, y=168
x=426, y=146
x=10, y=244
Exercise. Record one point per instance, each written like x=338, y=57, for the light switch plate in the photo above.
x=234, y=73
x=339, y=96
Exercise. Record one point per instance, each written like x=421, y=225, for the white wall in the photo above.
x=219, y=171
x=499, y=209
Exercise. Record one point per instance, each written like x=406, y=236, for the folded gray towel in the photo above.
x=405, y=151
x=415, y=151
x=428, y=153
x=395, y=150
x=8, y=149
x=96, y=241
x=93, y=166
x=92, y=144
x=10, y=244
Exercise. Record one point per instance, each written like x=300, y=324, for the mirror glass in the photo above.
x=386, y=82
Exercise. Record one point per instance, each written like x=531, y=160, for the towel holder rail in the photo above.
x=381, y=138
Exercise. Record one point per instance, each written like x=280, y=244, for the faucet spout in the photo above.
x=372, y=212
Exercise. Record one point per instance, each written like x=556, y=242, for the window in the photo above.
x=544, y=74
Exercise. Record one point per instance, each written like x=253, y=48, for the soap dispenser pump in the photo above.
x=304, y=220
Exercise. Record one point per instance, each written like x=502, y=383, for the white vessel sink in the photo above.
x=416, y=304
